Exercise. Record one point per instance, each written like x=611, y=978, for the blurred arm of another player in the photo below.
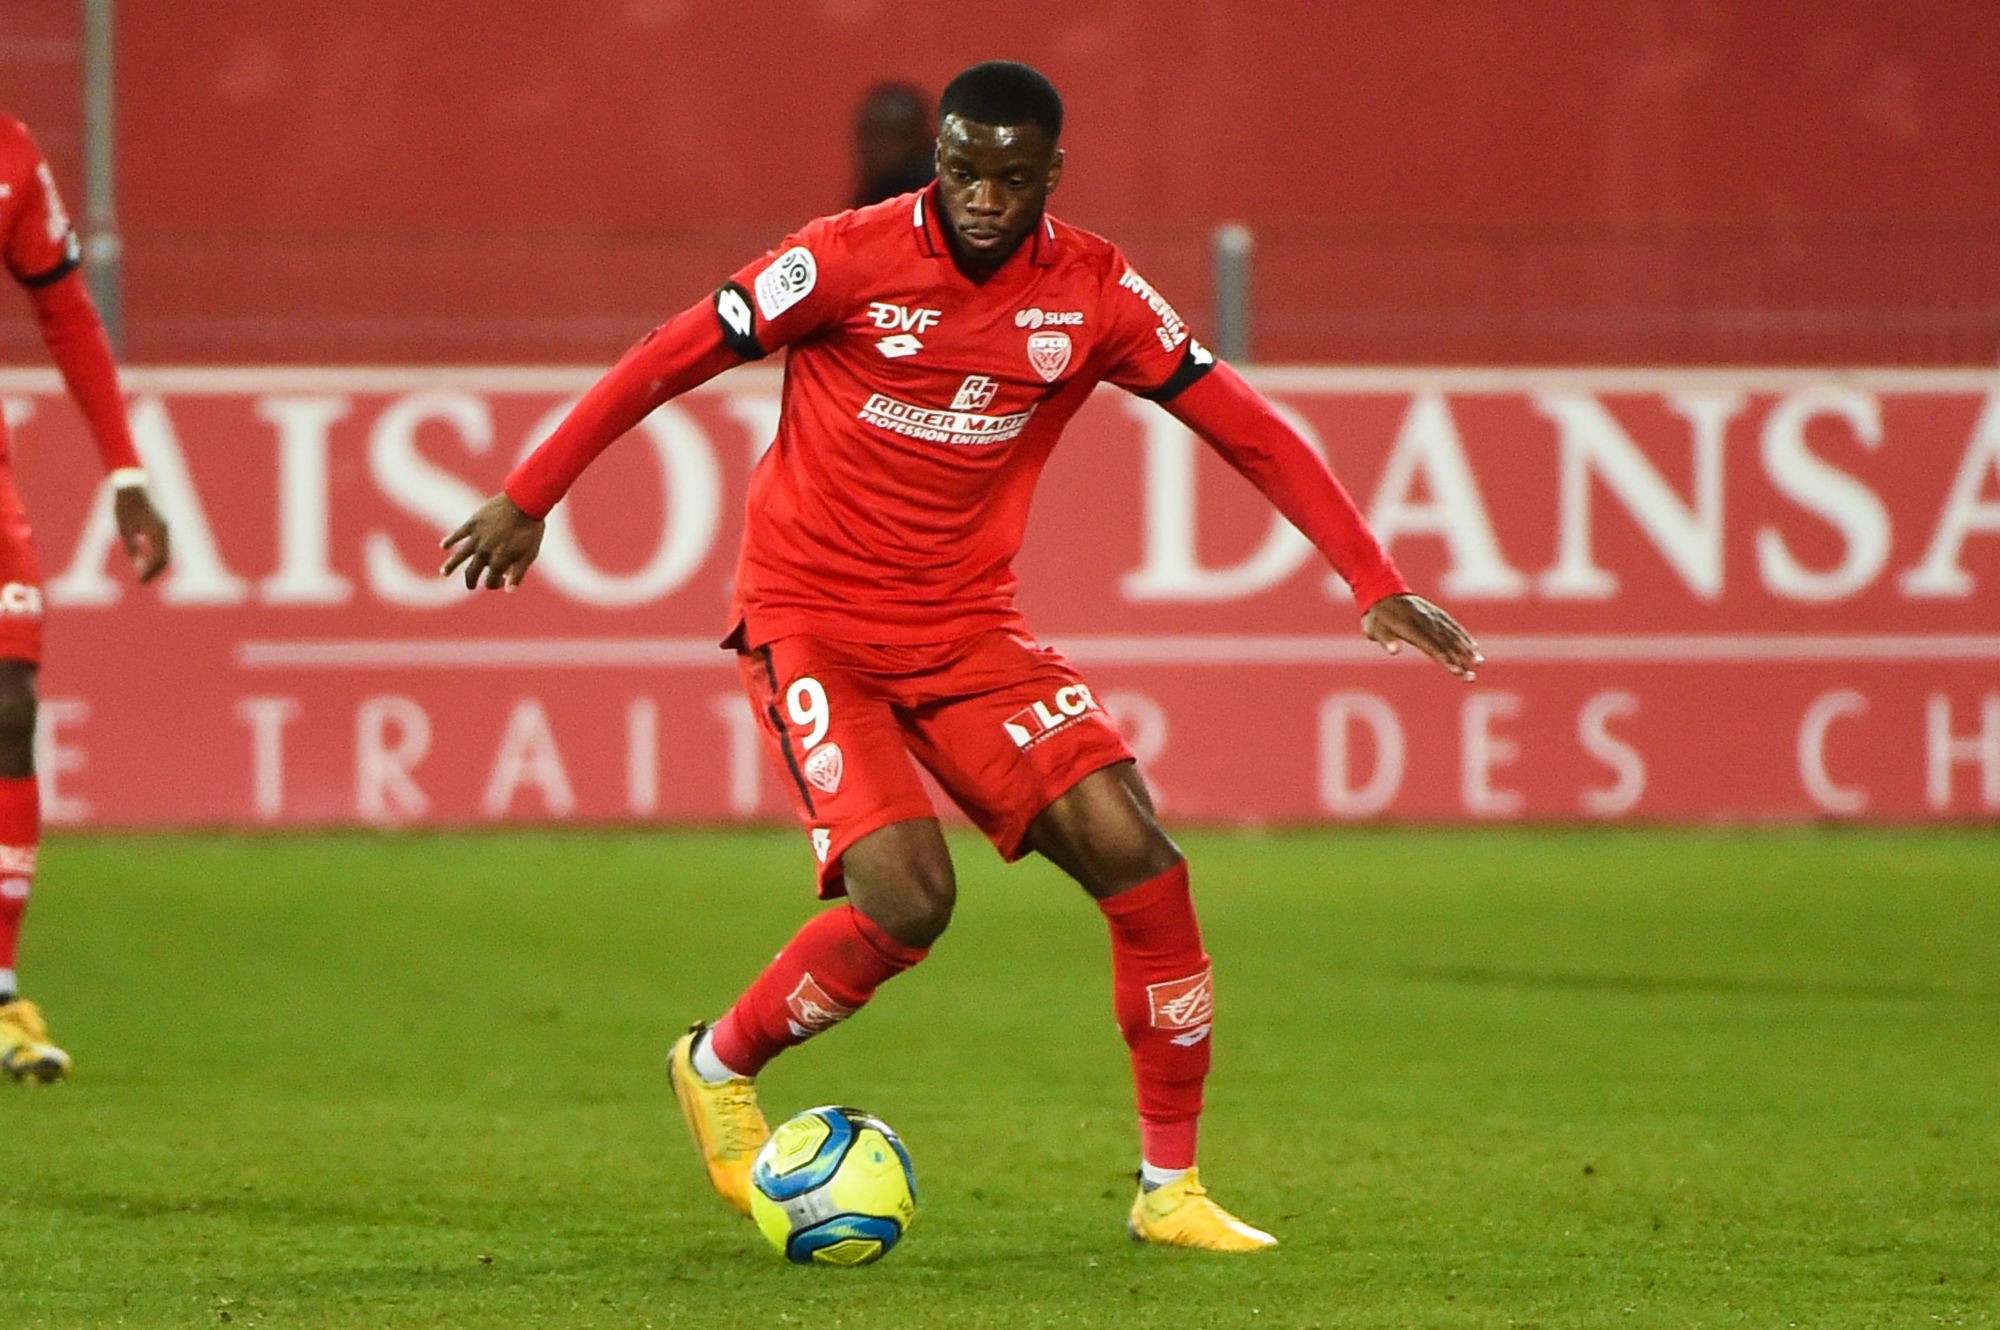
x=76, y=341
x=1238, y=422
x=499, y=543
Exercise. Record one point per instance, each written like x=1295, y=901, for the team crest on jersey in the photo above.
x=786, y=282
x=823, y=768
x=1049, y=353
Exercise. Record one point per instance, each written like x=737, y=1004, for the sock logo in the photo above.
x=14, y=889
x=811, y=1009
x=17, y=860
x=1186, y=1005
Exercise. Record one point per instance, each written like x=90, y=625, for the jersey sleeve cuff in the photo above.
x=1379, y=586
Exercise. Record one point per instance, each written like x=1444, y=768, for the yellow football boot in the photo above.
x=1181, y=1214
x=727, y=1126
x=25, y=1051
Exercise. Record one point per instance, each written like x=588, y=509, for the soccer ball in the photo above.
x=833, y=1187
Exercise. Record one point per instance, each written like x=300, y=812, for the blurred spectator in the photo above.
x=895, y=142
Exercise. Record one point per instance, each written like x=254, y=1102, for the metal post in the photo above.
x=103, y=250
x=1233, y=245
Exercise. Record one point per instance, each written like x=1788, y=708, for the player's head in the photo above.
x=998, y=158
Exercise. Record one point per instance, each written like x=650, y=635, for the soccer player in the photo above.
x=938, y=343
x=40, y=249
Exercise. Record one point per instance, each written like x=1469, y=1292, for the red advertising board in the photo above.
x=1703, y=595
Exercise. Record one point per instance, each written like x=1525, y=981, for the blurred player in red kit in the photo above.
x=42, y=253
x=939, y=341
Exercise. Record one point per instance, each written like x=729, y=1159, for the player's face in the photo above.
x=994, y=181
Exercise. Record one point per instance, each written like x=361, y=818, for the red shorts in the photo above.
x=1004, y=725
x=20, y=578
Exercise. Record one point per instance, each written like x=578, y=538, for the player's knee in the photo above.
x=913, y=905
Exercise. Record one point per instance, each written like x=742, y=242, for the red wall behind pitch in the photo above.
x=1617, y=181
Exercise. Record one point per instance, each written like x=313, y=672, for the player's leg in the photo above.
x=1022, y=745
x=839, y=749
x=26, y=1052
x=900, y=892
x=1102, y=832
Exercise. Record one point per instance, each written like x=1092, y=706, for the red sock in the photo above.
x=20, y=834
x=1165, y=1002
x=825, y=974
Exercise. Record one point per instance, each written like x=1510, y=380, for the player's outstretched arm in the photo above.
x=1402, y=618
x=1237, y=421
x=498, y=543
x=74, y=334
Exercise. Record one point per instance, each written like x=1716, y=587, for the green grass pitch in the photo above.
x=1471, y=1079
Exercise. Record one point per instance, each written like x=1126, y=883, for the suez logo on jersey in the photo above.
x=906, y=323
x=1030, y=725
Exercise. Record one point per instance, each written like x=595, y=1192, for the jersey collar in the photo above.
x=927, y=222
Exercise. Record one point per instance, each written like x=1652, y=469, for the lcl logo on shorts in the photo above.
x=1030, y=725
x=20, y=598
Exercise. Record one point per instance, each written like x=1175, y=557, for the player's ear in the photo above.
x=1055, y=171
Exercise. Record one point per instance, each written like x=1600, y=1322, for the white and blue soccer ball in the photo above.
x=833, y=1186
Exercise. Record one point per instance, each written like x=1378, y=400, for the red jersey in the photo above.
x=40, y=249
x=919, y=406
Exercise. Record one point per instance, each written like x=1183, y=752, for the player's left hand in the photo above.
x=1394, y=620
x=142, y=531
x=499, y=542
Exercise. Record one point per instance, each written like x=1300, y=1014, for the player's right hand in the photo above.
x=498, y=543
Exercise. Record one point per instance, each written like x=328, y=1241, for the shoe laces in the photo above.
x=736, y=1111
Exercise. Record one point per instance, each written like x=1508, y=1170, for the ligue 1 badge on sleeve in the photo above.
x=1049, y=353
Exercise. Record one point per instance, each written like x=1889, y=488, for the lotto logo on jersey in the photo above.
x=1030, y=725
x=21, y=599
x=811, y=1010
x=789, y=279
x=906, y=323
x=975, y=394
x=1186, y=1005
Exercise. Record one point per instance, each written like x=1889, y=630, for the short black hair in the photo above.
x=1004, y=92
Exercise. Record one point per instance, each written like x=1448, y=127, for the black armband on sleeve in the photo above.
x=1197, y=361
x=739, y=325
x=55, y=274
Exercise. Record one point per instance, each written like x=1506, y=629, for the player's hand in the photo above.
x=498, y=542
x=142, y=531
x=1394, y=620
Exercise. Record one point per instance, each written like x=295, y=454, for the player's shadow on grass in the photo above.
x=1713, y=985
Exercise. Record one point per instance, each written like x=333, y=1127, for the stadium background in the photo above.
x=1740, y=259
